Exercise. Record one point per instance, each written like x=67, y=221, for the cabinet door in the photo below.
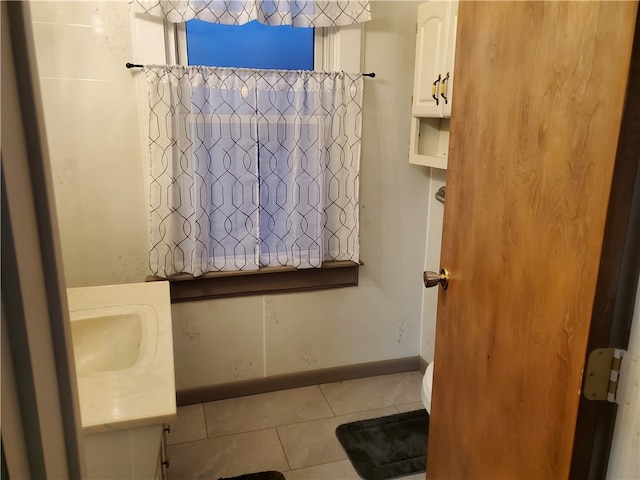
x=452, y=28
x=430, y=58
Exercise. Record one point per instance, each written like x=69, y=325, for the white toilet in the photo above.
x=427, y=385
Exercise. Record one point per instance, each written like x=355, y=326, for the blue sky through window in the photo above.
x=252, y=45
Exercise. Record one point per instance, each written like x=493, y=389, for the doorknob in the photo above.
x=431, y=279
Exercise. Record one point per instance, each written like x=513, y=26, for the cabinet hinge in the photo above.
x=603, y=372
x=416, y=28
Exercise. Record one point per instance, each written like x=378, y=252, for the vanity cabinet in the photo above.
x=131, y=453
x=163, y=459
x=433, y=82
x=123, y=350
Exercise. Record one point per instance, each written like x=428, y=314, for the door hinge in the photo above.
x=603, y=372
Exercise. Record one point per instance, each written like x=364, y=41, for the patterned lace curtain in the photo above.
x=252, y=168
x=298, y=13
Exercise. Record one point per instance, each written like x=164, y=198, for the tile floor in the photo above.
x=291, y=431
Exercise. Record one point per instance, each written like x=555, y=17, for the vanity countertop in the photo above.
x=135, y=395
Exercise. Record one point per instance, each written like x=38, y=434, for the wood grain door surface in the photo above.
x=540, y=90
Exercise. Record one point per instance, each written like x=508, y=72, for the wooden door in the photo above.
x=540, y=90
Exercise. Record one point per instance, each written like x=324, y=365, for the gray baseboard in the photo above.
x=293, y=380
x=422, y=365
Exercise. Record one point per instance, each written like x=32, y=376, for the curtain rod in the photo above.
x=136, y=65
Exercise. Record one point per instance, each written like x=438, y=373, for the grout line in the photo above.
x=204, y=418
x=229, y=435
x=325, y=463
x=85, y=79
x=301, y=422
x=335, y=416
x=95, y=130
x=89, y=25
x=277, y=426
x=327, y=400
x=286, y=457
x=186, y=441
x=240, y=433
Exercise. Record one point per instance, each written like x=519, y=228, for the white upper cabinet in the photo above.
x=433, y=83
x=435, y=50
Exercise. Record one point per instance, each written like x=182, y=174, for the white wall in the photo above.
x=432, y=262
x=92, y=127
x=92, y=124
x=624, y=461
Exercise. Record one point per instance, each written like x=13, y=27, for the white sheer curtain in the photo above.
x=298, y=13
x=252, y=168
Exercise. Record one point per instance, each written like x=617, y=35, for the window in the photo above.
x=336, y=48
x=252, y=45
x=252, y=168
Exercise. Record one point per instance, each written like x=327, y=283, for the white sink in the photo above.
x=113, y=338
x=123, y=349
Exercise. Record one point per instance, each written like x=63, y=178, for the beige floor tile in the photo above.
x=314, y=443
x=373, y=392
x=189, y=425
x=410, y=407
x=227, y=456
x=415, y=476
x=342, y=470
x=255, y=412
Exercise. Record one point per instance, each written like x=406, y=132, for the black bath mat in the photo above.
x=387, y=447
x=270, y=475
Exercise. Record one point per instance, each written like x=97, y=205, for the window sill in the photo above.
x=267, y=280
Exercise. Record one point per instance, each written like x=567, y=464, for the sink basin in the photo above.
x=123, y=349
x=113, y=338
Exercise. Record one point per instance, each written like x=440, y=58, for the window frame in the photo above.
x=155, y=41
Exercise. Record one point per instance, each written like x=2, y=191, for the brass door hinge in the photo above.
x=603, y=372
